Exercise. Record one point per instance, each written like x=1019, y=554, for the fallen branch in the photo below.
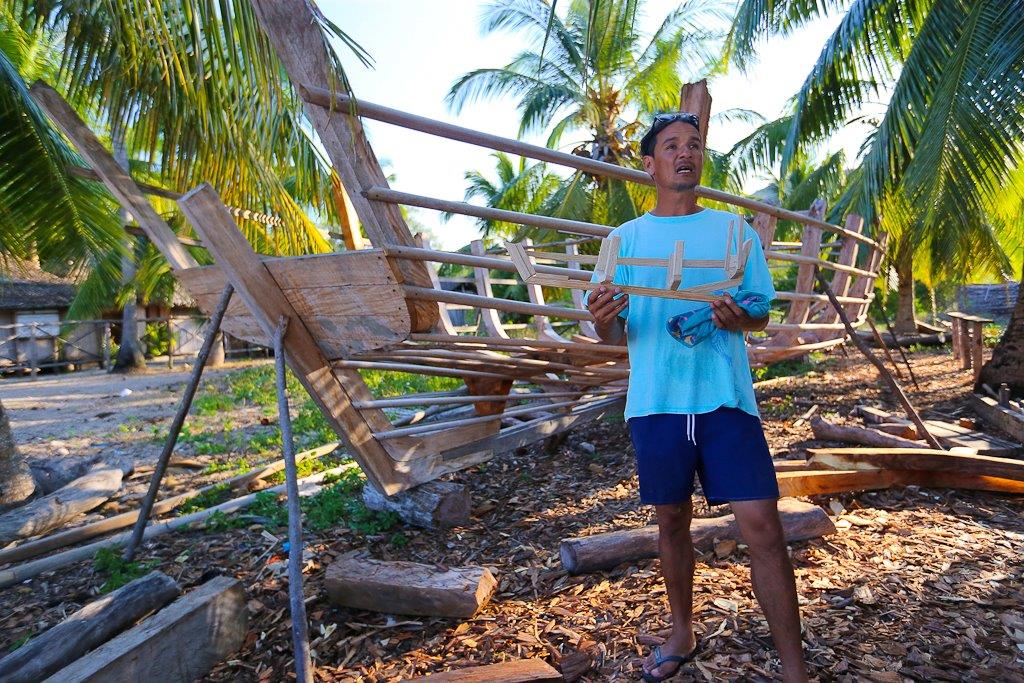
x=125, y=519
x=51, y=511
x=88, y=628
x=28, y=570
x=828, y=431
x=800, y=521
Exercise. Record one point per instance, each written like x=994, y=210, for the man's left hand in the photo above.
x=727, y=315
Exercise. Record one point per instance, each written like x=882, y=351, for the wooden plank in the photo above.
x=917, y=459
x=1004, y=419
x=514, y=671
x=958, y=480
x=333, y=389
x=408, y=587
x=817, y=482
x=113, y=176
x=294, y=31
x=89, y=627
x=800, y=521
x=178, y=644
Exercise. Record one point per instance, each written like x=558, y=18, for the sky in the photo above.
x=420, y=48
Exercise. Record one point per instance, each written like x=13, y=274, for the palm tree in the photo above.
x=195, y=91
x=951, y=135
x=592, y=75
x=522, y=187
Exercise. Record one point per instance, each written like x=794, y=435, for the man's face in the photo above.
x=678, y=158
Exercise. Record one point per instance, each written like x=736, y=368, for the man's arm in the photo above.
x=605, y=309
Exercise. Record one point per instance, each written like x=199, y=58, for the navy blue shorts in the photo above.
x=726, y=448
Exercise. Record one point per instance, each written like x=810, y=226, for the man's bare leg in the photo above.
x=677, y=562
x=771, y=574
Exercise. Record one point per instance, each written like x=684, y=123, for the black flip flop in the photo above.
x=679, y=659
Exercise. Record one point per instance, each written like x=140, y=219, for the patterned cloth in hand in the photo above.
x=693, y=327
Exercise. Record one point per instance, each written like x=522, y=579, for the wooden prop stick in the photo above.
x=899, y=347
x=922, y=430
x=300, y=630
x=885, y=349
x=177, y=423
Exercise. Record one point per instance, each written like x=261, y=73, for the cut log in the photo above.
x=434, y=505
x=917, y=459
x=89, y=627
x=800, y=521
x=408, y=587
x=812, y=483
x=178, y=644
x=49, y=512
x=827, y=431
x=1004, y=419
x=515, y=671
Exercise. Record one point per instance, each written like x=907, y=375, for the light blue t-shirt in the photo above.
x=665, y=375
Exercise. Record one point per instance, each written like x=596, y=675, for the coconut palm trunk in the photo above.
x=129, y=353
x=16, y=482
x=1007, y=362
x=905, y=320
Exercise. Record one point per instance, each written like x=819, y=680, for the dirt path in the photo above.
x=90, y=412
x=923, y=585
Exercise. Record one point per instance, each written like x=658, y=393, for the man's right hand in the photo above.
x=604, y=307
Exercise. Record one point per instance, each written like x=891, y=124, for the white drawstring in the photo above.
x=691, y=428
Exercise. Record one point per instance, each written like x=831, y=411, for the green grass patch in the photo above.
x=219, y=521
x=239, y=465
x=215, y=496
x=19, y=642
x=339, y=502
x=108, y=562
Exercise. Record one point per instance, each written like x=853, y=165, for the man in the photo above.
x=692, y=410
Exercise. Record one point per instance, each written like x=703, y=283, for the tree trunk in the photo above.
x=216, y=358
x=1007, y=362
x=129, y=353
x=905, y=321
x=16, y=482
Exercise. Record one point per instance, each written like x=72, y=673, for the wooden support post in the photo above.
x=88, y=628
x=294, y=31
x=977, y=347
x=889, y=379
x=434, y=505
x=176, y=424
x=764, y=226
x=408, y=587
x=296, y=600
x=178, y=644
x=607, y=258
x=958, y=339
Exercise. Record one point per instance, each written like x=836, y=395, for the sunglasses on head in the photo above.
x=672, y=117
